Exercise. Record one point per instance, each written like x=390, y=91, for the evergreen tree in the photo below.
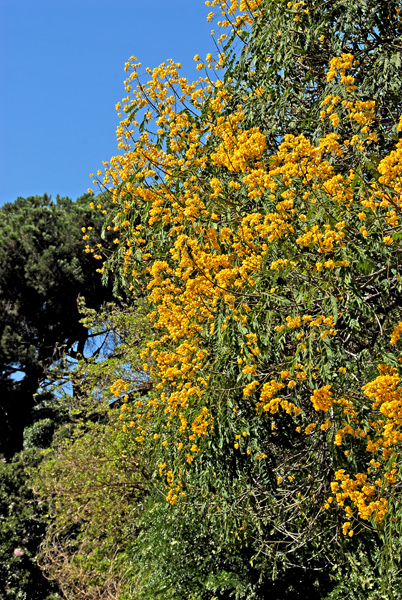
x=44, y=270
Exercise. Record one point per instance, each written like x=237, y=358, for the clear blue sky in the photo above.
x=62, y=72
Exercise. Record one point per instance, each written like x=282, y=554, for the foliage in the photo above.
x=92, y=478
x=94, y=487
x=184, y=552
x=43, y=272
x=360, y=580
x=22, y=526
x=40, y=434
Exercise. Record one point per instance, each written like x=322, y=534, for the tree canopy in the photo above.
x=43, y=272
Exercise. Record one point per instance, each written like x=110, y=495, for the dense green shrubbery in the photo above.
x=22, y=527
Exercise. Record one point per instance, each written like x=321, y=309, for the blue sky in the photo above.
x=62, y=72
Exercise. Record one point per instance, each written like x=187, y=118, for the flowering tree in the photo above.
x=262, y=221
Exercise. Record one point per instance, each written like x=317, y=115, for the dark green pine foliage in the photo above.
x=43, y=271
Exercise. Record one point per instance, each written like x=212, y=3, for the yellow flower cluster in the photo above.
x=118, y=387
x=388, y=401
x=322, y=399
x=383, y=437
x=339, y=65
x=269, y=403
x=361, y=493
